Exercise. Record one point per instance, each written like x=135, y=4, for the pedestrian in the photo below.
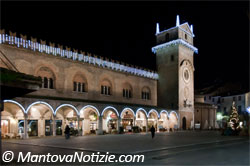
x=152, y=131
x=67, y=132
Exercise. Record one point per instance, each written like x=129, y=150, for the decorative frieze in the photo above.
x=74, y=55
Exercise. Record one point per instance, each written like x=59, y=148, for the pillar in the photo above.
x=157, y=124
x=82, y=127
x=179, y=121
x=134, y=121
x=100, y=128
x=146, y=124
x=119, y=124
x=54, y=125
x=25, y=126
x=78, y=128
x=41, y=127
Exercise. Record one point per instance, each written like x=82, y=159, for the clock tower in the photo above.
x=174, y=57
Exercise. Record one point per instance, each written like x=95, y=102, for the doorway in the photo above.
x=184, y=123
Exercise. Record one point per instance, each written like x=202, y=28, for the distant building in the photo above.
x=204, y=114
x=223, y=105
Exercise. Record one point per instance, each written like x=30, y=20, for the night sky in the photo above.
x=125, y=31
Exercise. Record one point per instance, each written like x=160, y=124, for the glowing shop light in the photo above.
x=248, y=110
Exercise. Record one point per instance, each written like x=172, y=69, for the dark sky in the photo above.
x=125, y=31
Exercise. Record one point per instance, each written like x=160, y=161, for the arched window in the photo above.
x=45, y=82
x=127, y=91
x=79, y=83
x=106, y=87
x=51, y=83
x=48, y=77
x=145, y=94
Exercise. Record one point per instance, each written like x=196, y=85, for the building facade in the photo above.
x=96, y=95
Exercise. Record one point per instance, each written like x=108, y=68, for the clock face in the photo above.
x=186, y=75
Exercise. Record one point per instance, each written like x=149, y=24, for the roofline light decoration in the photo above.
x=175, y=42
x=177, y=20
x=36, y=46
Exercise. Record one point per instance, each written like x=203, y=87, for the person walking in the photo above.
x=152, y=131
x=67, y=132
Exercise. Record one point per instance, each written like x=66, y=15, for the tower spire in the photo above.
x=177, y=20
x=157, y=28
x=191, y=28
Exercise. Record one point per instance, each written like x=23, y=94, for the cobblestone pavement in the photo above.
x=179, y=148
x=126, y=143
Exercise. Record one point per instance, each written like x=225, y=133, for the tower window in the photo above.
x=186, y=36
x=172, y=58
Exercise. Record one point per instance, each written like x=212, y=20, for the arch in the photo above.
x=139, y=109
x=67, y=105
x=153, y=110
x=15, y=102
x=187, y=60
x=39, y=102
x=127, y=108
x=89, y=106
x=162, y=111
x=174, y=113
x=110, y=107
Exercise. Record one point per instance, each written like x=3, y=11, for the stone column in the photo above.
x=100, y=128
x=25, y=126
x=146, y=124
x=83, y=127
x=78, y=128
x=41, y=127
x=157, y=123
x=179, y=121
x=119, y=124
x=54, y=125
